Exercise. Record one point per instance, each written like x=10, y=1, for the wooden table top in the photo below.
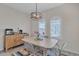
x=46, y=43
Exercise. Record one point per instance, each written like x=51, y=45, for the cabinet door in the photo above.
x=12, y=41
x=18, y=39
x=9, y=42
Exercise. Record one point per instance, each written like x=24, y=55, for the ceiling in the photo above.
x=29, y=7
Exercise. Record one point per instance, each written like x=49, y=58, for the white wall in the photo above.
x=10, y=18
x=69, y=14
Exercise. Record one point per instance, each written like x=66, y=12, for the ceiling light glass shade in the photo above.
x=36, y=15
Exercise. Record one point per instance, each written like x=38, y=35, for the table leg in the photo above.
x=32, y=49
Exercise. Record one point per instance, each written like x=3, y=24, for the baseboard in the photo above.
x=1, y=50
x=68, y=53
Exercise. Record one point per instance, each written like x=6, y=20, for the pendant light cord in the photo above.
x=36, y=9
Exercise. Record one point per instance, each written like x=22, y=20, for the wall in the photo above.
x=10, y=18
x=69, y=14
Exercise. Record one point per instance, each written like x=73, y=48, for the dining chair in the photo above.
x=57, y=50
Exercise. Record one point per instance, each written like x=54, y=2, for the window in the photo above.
x=55, y=27
x=42, y=26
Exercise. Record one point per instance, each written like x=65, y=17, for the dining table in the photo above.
x=46, y=43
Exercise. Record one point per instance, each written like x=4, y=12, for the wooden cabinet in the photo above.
x=12, y=41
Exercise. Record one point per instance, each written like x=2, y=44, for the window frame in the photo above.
x=43, y=28
x=54, y=20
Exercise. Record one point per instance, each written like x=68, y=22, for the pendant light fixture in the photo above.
x=36, y=15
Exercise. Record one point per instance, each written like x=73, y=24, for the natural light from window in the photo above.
x=55, y=27
x=42, y=27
